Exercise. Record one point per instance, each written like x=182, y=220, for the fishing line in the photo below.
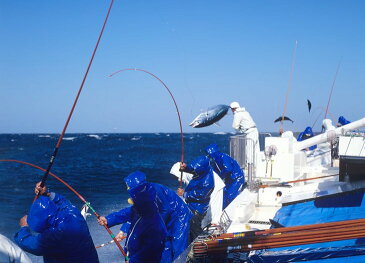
x=289, y=84
x=322, y=110
x=78, y=195
x=177, y=109
x=53, y=157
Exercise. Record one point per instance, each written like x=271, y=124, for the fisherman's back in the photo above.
x=65, y=239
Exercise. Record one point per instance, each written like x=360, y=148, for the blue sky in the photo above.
x=207, y=52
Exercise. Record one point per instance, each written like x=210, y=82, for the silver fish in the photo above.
x=212, y=115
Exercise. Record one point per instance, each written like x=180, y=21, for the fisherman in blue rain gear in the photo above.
x=197, y=192
x=342, y=121
x=172, y=209
x=306, y=134
x=146, y=240
x=63, y=235
x=147, y=234
x=229, y=171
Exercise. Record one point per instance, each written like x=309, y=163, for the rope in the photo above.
x=177, y=109
x=78, y=195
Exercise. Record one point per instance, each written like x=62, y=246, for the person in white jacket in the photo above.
x=10, y=252
x=324, y=149
x=243, y=123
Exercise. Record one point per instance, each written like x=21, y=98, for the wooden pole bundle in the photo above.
x=281, y=237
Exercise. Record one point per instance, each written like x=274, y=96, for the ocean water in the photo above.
x=95, y=165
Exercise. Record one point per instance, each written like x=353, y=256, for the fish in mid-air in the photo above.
x=212, y=115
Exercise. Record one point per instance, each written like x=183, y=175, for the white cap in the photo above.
x=234, y=105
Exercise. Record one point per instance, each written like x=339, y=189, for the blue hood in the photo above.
x=308, y=131
x=144, y=196
x=212, y=149
x=135, y=179
x=342, y=120
x=41, y=213
x=200, y=165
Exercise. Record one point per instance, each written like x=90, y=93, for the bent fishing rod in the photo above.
x=53, y=157
x=177, y=109
x=78, y=195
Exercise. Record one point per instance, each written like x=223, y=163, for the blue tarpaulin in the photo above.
x=339, y=207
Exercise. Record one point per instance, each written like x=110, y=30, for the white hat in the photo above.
x=234, y=105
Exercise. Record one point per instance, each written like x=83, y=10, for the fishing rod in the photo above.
x=333, y=85
x=289, y=85
x=53, y=157
x=281, y=230
x=177, y=109
x=109, y=242
x=249, y=245
x=286, y=237
x=78, y=195
x=296, y=181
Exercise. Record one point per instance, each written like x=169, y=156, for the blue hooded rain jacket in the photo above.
x=342, y=120
x=306, y=134
x=197, y=192
x=172, y=209
x=230, y=172
x=146, y=239
x=63, y=232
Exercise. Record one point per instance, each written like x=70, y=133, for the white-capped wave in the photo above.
x=136, y=138
x=94, y=136
x=69, y=138
x=44, y=136
x=220, y=133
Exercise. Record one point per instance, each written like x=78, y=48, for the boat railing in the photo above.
x=243, y=150
x=224, y=221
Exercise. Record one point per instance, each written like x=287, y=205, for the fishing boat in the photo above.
x=298, y=205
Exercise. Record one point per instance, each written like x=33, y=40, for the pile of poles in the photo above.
x=280, y=237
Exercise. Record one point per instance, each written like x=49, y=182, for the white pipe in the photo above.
x=329, y=135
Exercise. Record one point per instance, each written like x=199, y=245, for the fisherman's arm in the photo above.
x=300, y=137
x=27, y=241
x=236, y=122
x=57, y=199
x=116, y=218
x=227, y=168
x=186, y=168
x=124, y=230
